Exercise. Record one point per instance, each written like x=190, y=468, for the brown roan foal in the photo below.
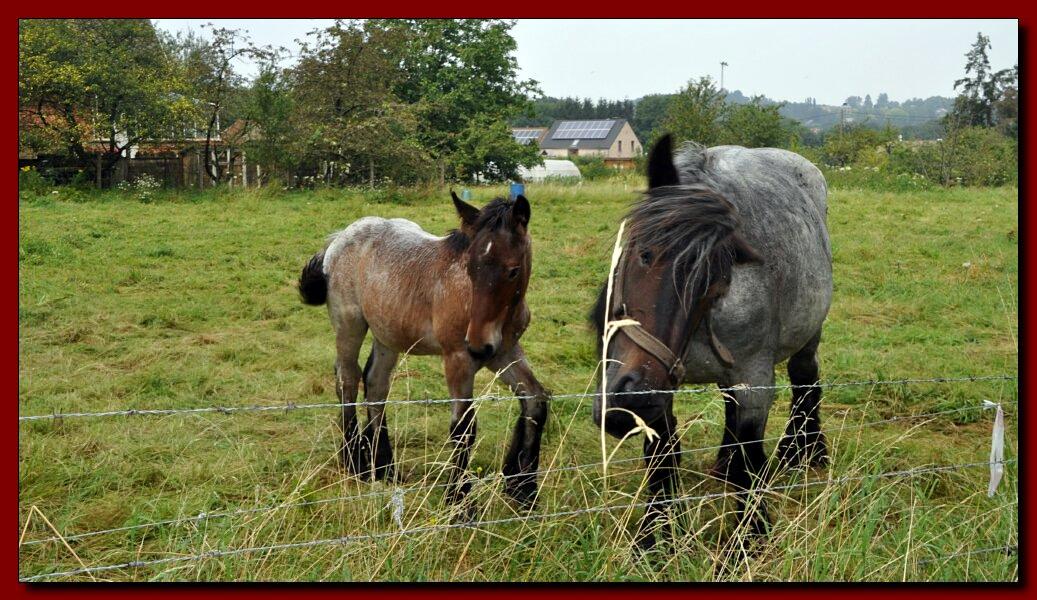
x=461, y=296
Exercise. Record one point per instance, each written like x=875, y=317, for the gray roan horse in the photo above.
x=728, y=271
x=461, y=296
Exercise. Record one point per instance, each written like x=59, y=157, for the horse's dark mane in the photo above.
x=693, y=226
x=495, y=215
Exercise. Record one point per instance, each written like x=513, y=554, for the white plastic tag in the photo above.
x=997, y=447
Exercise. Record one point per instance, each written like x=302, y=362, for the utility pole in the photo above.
x=842, y=119
x=722, y=65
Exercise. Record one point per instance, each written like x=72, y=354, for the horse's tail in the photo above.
x=313, y=284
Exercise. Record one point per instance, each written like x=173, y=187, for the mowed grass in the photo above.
x=191, y=302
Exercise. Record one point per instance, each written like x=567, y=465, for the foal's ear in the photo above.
x=520, y=210
x=660, y=164
x=468, y=213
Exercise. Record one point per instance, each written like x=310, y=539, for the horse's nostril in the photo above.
x=628, y=382
x=483, y=353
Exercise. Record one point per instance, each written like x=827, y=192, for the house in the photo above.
x=611, y=139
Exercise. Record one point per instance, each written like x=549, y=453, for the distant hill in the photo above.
x=915, y=118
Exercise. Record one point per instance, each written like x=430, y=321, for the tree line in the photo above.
x=413, y=100
x=404, y=100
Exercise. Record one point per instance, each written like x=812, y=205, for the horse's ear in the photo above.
x=468, y=213
x=744, y=253
x=520, y=210
x=660, y=164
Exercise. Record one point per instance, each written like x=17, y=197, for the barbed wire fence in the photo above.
x=398, y=493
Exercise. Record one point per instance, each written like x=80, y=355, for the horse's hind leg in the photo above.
x=349, y=336
x=377, y=374
x=523, y=457
x=803, y=439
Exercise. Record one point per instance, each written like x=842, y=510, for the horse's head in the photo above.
x=499, y=258
x=681, y=245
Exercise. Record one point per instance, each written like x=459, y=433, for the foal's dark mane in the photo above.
x=495, y=215
x=696, y=228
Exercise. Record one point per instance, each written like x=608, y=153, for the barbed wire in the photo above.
x=497, y=398
x=203, y=516
x=1007, y=549
x=487, y=523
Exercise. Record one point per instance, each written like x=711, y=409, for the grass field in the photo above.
x=190, y=301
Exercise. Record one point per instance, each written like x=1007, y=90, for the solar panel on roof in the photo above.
x=587, y=130
x=525, y=136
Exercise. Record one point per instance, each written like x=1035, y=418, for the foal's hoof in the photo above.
x=356, y=462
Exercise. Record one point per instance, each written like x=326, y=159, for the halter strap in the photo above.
x=651, y=344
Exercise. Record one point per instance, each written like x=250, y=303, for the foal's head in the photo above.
x=682, y=243
x=496, y=244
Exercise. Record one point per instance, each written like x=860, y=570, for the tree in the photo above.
x=648, y=113
x=457, y=72
x=346, y=117
x=694, y=113
x=486, y=149
x=981, y=89
x=268, y=134
x=755, y=125
x=100, y=86
x=867, y=102
x=211, y=81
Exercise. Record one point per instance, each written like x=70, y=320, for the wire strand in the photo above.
x=491, y=398
x=489, y=479
x=487, y=523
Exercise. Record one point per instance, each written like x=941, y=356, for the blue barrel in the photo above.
x=517, y=189
x=466, y=194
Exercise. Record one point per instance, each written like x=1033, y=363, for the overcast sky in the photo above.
x=782, y=59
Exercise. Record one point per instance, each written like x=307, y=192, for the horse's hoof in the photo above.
x=720, y=467
x=523, y=493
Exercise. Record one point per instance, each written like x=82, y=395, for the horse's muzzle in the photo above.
x=627, y=394
x=484, y=353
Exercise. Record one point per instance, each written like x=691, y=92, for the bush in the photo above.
x=593, y=167
x=974, y=156
x=32, y=183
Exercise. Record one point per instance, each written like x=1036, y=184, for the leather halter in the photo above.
x=654, y=346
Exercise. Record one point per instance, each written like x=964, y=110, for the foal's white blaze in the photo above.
x=488, y=246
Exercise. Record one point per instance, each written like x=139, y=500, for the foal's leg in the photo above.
x=377, y=374
x=460, y=377
x=746, y=421
x=662, y=460
x=349, y=336
x=803, y=438
x=523, y=457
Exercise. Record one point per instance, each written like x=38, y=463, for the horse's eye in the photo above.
x=646, y=257
x=513, y=272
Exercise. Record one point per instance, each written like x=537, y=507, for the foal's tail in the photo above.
x=313, y=285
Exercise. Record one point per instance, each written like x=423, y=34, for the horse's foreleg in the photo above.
x=803, y=439
x=523, y=458
x=349, y=336
x=747, y=466
x=377, y=375
x=460, y=375
x=662, y=461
